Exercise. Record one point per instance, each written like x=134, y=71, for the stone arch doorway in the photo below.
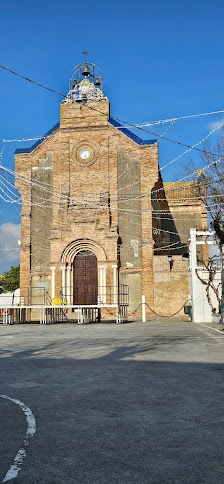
x=85, y=278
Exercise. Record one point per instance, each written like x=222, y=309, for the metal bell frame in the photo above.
x=76, y=75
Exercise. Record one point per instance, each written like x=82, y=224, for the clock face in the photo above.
x=84, y=153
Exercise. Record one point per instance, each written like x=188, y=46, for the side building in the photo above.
x=177, y=207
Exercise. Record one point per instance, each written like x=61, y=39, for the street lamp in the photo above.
x=171, y=261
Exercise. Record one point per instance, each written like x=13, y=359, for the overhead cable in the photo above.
x=90, y=107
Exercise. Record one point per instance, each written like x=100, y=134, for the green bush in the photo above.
x=9, y=280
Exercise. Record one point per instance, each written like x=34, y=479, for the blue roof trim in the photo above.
x=28, y=150
x=112, y=121
x=131, y=135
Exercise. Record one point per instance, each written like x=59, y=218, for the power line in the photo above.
x=33, y=82
x=51, y=136
x=116, y=119
x=151, y=132
x=161, y=136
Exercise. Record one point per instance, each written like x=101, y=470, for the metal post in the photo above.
x=63, y=281
x=4, y=316
x=117, y=315
x=11, y=316
x=222, y=284
x=104, y=285
x=52, y=284
x=114, y=267
x=69, y=284
x=81, y=319
x=143, y=309
x=193, y=267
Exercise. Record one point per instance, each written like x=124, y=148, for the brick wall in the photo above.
x=171, y=287
x=81, y=203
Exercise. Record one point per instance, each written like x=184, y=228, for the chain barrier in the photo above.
x=112, y=314
x=160, y=315
x=170, y=315
x=154, y=312
x=135, y=311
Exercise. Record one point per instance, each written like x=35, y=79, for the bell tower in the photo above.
x=85, y=103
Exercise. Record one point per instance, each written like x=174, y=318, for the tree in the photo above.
x=211, y=268
x=208, y=171
x=210, y=179
x=9, y=280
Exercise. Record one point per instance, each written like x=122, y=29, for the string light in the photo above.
x=16, y=199
x=151, y=123
x=116, y=119
x=211, y=132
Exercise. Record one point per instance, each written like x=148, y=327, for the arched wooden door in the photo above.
x=85, y=278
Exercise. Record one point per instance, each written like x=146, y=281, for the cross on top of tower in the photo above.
x=85, y=52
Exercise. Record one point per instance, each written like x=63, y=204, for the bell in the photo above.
x=97, y=82
x=85, y=71
x=74, y=83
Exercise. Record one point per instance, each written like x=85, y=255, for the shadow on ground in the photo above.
x=109, y=411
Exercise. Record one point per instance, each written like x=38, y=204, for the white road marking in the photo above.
x=210, y=327
x=31, y=429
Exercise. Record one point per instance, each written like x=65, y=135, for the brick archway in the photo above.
x=79, y=245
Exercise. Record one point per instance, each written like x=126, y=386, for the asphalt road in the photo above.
x=134, y=403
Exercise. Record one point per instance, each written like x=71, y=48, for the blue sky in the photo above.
x=158, y=59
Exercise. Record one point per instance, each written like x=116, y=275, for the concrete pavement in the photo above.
x=134, y=403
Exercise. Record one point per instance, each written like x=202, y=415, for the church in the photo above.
x=97, y=222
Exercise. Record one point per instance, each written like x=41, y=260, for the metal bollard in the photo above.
x=143, y=310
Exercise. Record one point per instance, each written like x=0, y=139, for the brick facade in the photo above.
x=103, y=205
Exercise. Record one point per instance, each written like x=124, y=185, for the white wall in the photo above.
x=201, y=309
x=6, y=298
